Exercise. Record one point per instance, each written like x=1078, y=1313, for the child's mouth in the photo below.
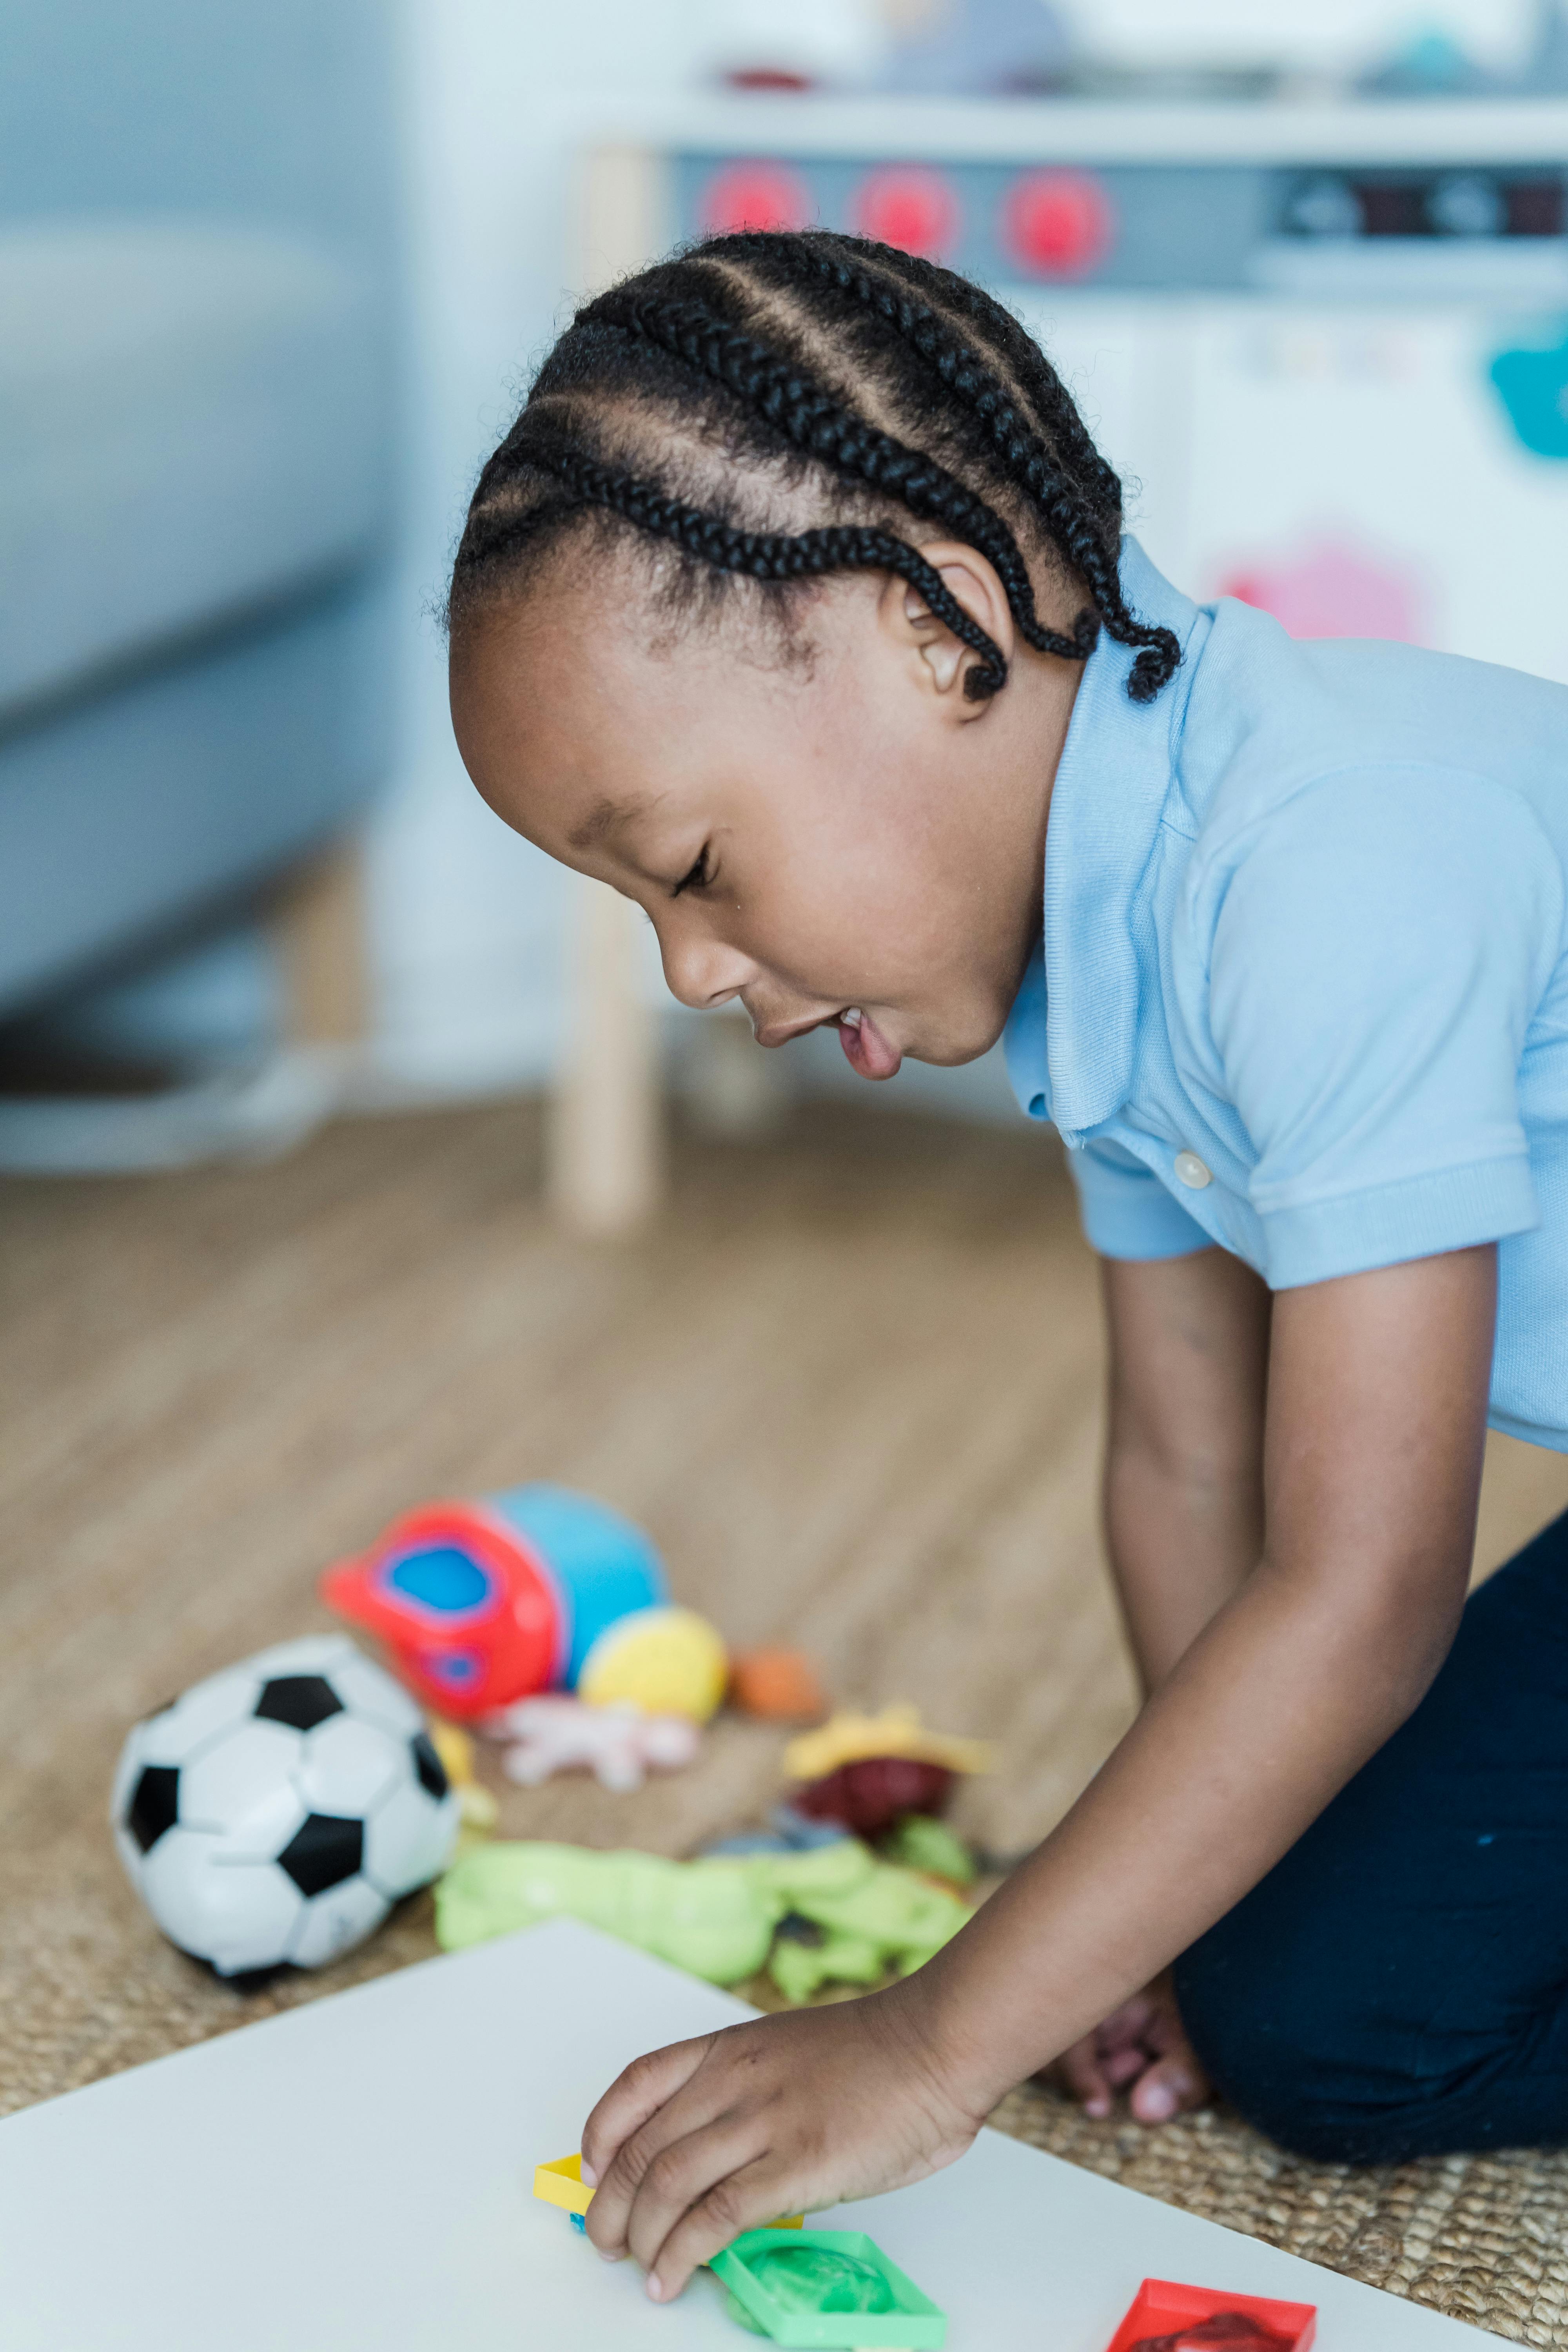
x=865, y=1047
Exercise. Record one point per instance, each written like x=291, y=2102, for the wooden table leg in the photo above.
x=606, y=1131
x=319, y=927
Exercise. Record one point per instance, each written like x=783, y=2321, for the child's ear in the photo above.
x=941, y=660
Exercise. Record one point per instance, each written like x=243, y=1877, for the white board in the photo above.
x=356, y=2176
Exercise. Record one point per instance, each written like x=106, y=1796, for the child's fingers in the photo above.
x=743, y=2198
x=694, y=2170
x=630, y=2103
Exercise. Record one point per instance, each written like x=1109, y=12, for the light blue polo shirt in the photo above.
x=1302, y=990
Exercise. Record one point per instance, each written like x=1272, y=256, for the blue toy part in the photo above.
x=601, y=1565
x=1532, y=381
x=449, y=1582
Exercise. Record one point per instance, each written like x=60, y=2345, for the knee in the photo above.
x=1297, y=2056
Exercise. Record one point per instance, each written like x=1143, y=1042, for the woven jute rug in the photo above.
x=850, y=1381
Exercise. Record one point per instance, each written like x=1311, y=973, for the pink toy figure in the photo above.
x=618, y=1743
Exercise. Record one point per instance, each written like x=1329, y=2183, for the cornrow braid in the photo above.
x=768, y=555
x=717, y=354
x=1070, y=520
x=813, y=422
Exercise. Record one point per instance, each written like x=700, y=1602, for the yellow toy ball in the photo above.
x=666, y=1661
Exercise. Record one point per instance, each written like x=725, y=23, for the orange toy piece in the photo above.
x=780, y=1686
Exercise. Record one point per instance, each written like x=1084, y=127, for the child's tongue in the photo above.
x=866, y=1048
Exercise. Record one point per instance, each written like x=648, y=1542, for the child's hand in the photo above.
x=700, y=2141
x=1143, y=2046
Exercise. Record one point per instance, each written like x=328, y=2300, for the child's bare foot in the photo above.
x=1142, y=2048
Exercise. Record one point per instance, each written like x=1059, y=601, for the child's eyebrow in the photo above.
x=607, y=817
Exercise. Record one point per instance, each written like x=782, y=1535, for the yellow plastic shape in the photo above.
x=666, y=1661
x=476, y=1808
x=562, y=2183
x=896, y=1731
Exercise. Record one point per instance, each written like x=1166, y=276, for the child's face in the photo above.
x=814, y=838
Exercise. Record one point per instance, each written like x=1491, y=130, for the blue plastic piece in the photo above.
x=442, y=1578
x=603, y=1566
x=800, y=1833
x=1533, y=384
x=454, y=1667
x=744, y=1844
x=788, y=1832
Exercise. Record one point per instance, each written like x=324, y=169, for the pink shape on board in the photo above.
x=1335, y=590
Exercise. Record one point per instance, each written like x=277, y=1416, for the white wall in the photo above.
x=466, y=918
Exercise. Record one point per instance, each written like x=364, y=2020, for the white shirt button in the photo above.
x=1190, y=1171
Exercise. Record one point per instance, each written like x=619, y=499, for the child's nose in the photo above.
x=705, y=972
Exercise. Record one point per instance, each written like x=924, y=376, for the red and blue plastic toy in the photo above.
x=483, y=1603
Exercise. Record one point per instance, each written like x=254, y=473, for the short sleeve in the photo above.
x=1126, y=1210
x=1379, y=950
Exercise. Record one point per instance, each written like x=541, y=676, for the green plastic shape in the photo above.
x=815, y=2278
x=857, y=2301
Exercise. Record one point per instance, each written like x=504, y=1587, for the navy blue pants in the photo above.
x=1397, y=1986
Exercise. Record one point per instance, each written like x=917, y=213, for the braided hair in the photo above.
x=843, y=380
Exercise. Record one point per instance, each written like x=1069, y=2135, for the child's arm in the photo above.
x=1184, y=1524
x=1183, y=1463
x=1377, y=1390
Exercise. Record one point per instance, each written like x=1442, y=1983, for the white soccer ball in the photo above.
x=277, y=1810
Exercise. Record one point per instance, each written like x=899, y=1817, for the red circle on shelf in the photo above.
x=909, y=207
x=742, y=196
x=1058, y=223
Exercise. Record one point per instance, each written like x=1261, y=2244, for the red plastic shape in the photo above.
x=1058, y=223
x=1161, y=2307
x=910, y=206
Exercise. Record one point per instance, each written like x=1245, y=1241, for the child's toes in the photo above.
x=1169, y=2088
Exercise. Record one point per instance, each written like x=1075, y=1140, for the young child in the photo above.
x=796, y=606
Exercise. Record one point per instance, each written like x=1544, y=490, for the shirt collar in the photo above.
x=1070, y=1058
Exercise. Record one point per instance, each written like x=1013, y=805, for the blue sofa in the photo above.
x=198, y=344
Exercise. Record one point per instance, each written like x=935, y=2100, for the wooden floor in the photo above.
x=851, y=1383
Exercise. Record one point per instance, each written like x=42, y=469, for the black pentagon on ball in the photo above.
x=155, y=1804
x=324, y=1851
x=302, y=1700
x=428, y=1765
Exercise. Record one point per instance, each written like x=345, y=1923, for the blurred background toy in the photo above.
x=483, y=1603
x=619, y=1744
x=836, y=1914
x=277, y=1810
x=787, y=1833
x=667, y=1661
x=923, y=1844
x=869, y=1772
x=780, y=1685
x=476, y=1804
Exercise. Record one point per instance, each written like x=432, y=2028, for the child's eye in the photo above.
x=698, y=877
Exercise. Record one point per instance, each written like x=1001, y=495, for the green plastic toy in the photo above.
x=715, y=1918
x=922, y=1843
x=834, y=2289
